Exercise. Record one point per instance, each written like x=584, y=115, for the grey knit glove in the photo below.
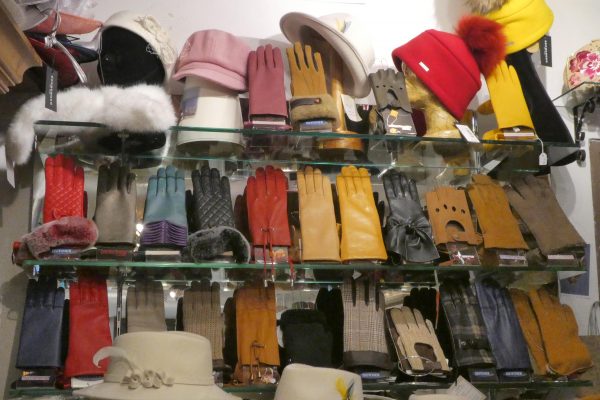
x=146, y=307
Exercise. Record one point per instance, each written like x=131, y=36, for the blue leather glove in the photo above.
x=165, y=218
x=40, y=345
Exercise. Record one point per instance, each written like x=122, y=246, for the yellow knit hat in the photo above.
x=524, y=21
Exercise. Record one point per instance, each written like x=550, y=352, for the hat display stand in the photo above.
x=208, y=105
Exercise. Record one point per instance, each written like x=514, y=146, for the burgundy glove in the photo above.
x=266, y=197
x=64, y=189
x=89, y=329
x=265, y=82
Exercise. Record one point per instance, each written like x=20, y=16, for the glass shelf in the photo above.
x=577, y=95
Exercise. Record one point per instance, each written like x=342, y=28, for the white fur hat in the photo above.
x=302, y=382
x=157, y=366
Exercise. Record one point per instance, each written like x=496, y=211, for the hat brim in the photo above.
x=214, y=73
x=117, y=391
x=357, y=83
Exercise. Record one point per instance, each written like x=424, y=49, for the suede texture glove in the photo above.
x=146, y=307
x=407, y=230
x=535, y=202
x=202, y=316
x=498, y=224
x=450, y=216
x=64, y=195
x=306, y=338
x=165, y=219
x=320, y=240
x=364, y=332
x=115, y=205
x=266, y=90
x=89, y=329
x=502, y=326
x=361, y=229
x=41, y=340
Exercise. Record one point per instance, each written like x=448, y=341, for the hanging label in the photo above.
x=350, y=108
x=467, y=133
x=546, y=50
x=51, y=87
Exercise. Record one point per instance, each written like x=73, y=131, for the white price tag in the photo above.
x=561, y=257
x=10, y=172
x=513, y=258
x=350, y=108
x=543, y=160
x=467, y=133
x=356, y=275
x=464, y=389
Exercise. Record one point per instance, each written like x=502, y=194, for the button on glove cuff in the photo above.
x=305, y=108
x=208, y=244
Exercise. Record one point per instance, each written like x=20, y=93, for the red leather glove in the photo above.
x=64, y=189
x=89, y=329
x=266, y=197
x=265, y=82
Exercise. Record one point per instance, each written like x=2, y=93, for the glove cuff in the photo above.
x=356, y=359
x=306, y=108
x=164, y=233
x=207, y=244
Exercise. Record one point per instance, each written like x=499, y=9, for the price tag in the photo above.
x=467, y=133
x=350, y=108
x=546, y=50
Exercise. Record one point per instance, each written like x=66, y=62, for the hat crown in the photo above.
x=303, y=382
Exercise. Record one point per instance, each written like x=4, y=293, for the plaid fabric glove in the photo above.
x=364, y=332
x=469, y=337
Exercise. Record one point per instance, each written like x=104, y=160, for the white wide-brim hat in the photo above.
x=348, y=37
x=303, y=382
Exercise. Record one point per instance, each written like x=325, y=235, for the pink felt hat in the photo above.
x=217, y=56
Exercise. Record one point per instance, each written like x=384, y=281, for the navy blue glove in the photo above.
x=40, y=344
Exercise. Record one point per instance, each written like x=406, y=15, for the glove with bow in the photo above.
x=407, y=230
x=64, y=195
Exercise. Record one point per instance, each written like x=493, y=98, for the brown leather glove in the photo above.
x=450, y=216
x=499, y=226
x=320, y=240
x=362, y=238
x=566, y=352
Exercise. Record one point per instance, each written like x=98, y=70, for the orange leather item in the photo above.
x=450, y=216
x=64, y=189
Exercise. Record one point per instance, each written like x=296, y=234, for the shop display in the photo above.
x=306, y=338
x=146, y=307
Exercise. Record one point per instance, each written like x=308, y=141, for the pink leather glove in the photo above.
x=265, y=82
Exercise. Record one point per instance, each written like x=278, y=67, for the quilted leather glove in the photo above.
x=64, y=195
x=41, y=344
x=165, y=219
x=266, y=90
x=146, y=307
x=202, y=316
x=115, y=205
x=469, y=336
x=407, y=230
x=306, y=338
x=361, y=228
x=498, y=224
x=211, y=201
x=89, y=329
x=502, y=326
x=364, y=332
x=309, y=89
x=320, y=240
x=450, y=216
x=535, y=202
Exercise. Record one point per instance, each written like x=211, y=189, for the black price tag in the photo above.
x=51, y=87
x=546, y=50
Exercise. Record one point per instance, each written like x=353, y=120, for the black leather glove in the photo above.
x=502, y=325
x=306, y=339
x=469, y=336
x=40, y=345
x=211, y=199
x=407, y=230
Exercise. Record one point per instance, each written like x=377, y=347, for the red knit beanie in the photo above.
x=450, y=65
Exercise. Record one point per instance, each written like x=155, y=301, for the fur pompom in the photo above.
x=485, y=6
x=485, y=39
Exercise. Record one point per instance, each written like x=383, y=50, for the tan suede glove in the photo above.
x=320, y=241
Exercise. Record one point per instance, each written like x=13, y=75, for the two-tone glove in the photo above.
x=498, y=225
x=364, y=332
x=450, y=216
x=306, y=338
x=202, y=316
x=407, y=230
x=310, y=100
x=115, y=205
x=535, y=202
x=393, y=107
x=89, y=329
x=165, y=219
x=266, y=89
x=41, y=340
x=502, y=326
x=64, y=195
x=146, y=307
x=320, y=240
x=469, y=336
x=361, y=229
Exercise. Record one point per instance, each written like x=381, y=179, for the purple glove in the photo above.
x=265, y=81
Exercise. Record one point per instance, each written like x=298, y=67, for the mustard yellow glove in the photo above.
x=361, y=230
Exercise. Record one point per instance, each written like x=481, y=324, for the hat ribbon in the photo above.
x=136, y=376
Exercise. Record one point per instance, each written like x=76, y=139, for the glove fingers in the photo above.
x=49, y=171
x=102, y=179
x=261, y=183
x=269, y=57
x=171, y=179
x=252, y=64
x=205, y=180
x=277, y=58
x=206, y=294
x=388, y=186
x=309, y=181
x=67, y=172
x=123, y=178
x=161, y=179
x=301, y=183
x=413, y=192
x=216, y=295
x=281, y=184
x=397, y=185
x=300, y=56
x=260, y=57
x=113, y=176
x=215, y=181
x=365, y=181
x=226, y=190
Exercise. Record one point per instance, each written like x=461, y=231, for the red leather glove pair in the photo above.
x=89, y=329
x=64, y=189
